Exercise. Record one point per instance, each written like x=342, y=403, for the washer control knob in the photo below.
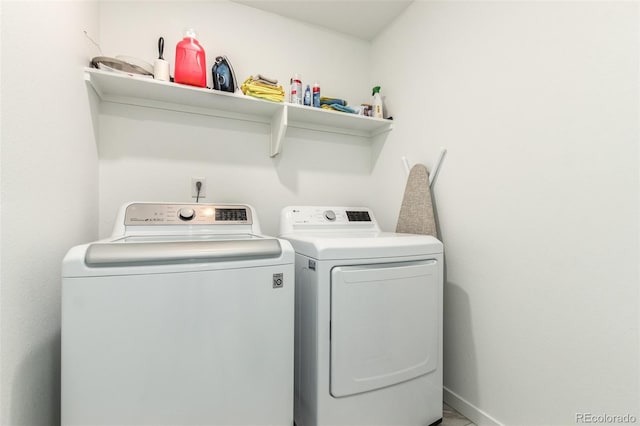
x=330, y=215
x=186, y=213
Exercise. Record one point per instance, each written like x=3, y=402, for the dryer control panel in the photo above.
x=327, y=217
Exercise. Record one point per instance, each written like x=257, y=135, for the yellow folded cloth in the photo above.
x=257, y=89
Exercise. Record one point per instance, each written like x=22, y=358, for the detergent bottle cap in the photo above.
x=375, y=90
x=190, y=32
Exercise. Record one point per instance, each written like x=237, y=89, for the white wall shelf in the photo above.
x=141, y=91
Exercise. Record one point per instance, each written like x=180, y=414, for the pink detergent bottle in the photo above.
x=191, y=64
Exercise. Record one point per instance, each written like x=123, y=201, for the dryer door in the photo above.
x=385, y=324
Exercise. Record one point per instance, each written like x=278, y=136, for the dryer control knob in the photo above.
x=330, y=215
x=186, y=214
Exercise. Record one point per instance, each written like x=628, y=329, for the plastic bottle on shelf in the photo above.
x=191, y=63
x=296, y=90
x=316, y=95
x=377, y=103
x=307, y=96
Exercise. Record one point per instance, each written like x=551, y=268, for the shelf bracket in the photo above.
x=278, y=130
x=89, y=82
x=386, y=129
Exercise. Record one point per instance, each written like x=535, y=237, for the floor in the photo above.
x=451, y=417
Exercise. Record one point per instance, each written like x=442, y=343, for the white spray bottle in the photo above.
x=377, y=103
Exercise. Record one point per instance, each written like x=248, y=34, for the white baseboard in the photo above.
x=467, y=409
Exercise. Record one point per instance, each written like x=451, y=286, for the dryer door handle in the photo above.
x=140, y=254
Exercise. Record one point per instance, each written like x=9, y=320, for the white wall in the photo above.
x=152, y=155
x=48, y=193
x=537, y=104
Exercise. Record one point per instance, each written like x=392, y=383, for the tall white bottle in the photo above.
x=377, y=103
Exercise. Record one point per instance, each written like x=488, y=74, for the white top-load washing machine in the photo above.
x=183, y=317
x=368, y=347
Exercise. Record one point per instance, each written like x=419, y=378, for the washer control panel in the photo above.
x=191, y=214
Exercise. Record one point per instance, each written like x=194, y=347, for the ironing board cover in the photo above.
x=416, y=213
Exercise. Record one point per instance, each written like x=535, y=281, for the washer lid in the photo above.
x=362, y=245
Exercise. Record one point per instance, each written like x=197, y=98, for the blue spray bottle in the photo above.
x=307, y=96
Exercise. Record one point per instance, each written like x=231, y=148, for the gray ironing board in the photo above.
x=416, y=213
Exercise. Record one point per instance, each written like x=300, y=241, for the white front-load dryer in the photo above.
x=184, y=316
x=368, y=345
